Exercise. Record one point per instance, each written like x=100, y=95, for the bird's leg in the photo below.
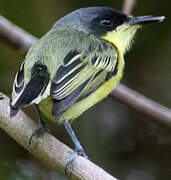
x=78, y=148
x=42, y=126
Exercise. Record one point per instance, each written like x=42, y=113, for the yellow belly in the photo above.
x=78, y=108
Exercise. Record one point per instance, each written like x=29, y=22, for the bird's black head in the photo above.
x=106, y=23
x=96, y=20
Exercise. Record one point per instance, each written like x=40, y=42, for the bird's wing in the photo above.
x=79, y=75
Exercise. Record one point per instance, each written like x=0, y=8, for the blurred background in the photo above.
x=121, y=141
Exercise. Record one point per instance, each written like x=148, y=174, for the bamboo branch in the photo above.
x=46, y=147
x=21, y=40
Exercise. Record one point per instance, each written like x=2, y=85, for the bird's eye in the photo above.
x=106, y=22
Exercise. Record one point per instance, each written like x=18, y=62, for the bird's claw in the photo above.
x=77, y=152
x=39, y=131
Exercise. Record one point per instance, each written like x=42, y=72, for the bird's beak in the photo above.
x=145, y=19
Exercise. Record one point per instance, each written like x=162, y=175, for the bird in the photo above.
x=75, y=65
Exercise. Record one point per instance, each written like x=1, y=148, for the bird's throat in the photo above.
x=122, y=37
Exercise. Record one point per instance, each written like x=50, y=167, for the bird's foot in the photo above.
x=38, y=131
x=79, y=151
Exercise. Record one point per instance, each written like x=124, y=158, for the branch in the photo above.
x=21, y=40
x=15, y=36
x=46, y=147
x=128, y=6
x=155, y=111
x=158, y=113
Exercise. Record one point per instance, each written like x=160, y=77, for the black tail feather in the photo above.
x=38, y=81
x=13, y=111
